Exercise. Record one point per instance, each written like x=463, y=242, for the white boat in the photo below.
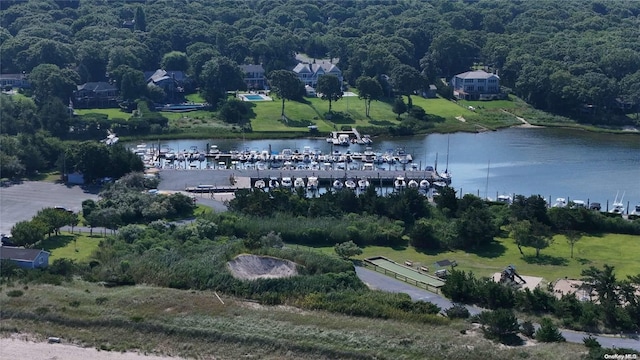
x=636, y=210
x=413, y=184
x=424, y=184
x=286, y=182
x=312, y=183
x=259, y=184
x=445, y=176
x=439, y=184
x=618, y=206
x=399, y=183
x=299, y=183
x=337, y=184
x=578, y=204
x=560, y=203
x=111, y=138
x=363, y=184
x=273, y=183
x=213, y=150
x=350, y=184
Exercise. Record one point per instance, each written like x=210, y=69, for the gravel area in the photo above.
x=22, y=201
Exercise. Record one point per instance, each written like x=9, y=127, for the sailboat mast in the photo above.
x=486, y=189
x=446, y=170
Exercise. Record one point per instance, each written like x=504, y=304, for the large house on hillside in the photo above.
x=254, y=76
x=15, y=81
x=476, y=85
x=95, y=94
x=310, y=73
x=173, y=83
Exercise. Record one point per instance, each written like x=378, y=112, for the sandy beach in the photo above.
x=19, y=346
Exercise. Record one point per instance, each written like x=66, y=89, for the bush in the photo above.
x=15, y=293
x=548, y=332
x=499, y=324
x=591, y=342
x=527, y=329
x=457, y=311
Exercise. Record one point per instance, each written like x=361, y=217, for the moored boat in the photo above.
x=298, y=183
x=286, y=182
x=312, y=183
x=273, y=183
x=424, y=184
x=337, y=184
x=259, y=184
x=350, y=184
x=363, y=184
x=399, y=183
x=413, y=184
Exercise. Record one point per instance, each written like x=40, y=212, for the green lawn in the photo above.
x=112, y=113
x=196, y=98
x=554, y=262
x=78, y=247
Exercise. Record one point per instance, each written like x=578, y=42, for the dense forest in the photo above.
x=577, y=58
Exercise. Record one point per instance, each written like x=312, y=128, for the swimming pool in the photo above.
x=255, y=97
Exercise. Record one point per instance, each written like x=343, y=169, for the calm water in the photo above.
x=549, y=162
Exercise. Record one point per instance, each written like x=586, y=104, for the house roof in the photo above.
x=324, y=67
x=478, y=74
x=161, y=74
x=13, y=76
x=252, y=68
x=97, y=86
x=19, y=253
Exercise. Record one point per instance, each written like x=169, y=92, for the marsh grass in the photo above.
x=196, y=324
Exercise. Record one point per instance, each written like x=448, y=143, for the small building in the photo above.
x=25, y=258
x=75, y=178
x=582, y=291
x=14, y=81
x=311, y=92
x=254, y=77
x=431, y=92
x=476, y=85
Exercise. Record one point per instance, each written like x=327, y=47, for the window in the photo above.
x=469, y=88
x=468, y=81
x=482, y=81
x=493, y=81
x=481, y=88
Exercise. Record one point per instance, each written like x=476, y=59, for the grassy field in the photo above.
x=554, y=262
x=112, y=113
x=78, y=247
x=196, y=324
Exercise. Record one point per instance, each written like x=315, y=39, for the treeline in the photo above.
x=570, y=57
x=613, y=307
x=371, y=219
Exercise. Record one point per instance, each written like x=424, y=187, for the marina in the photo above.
x=552, y=163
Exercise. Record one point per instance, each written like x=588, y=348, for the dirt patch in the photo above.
x=251, y=267
x=460, y=118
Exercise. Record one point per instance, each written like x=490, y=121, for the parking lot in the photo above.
x=22, y=201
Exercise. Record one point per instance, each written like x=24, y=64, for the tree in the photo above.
x=175, y=61
x=347, y=249
x=28, y=233
x=218, y=76
x=133, y=85
x=548, y=332
x=235, y=111
x=399, y=107
x=48, y=80
x=499, y=324
x=330, y=88
x=369, y=89
x=604, y=283
x=531, y=234
x=140, y=20
x=406, y=80
x=287, y=85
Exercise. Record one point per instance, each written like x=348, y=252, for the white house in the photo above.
x=476, y=85
x=254, y=76
x=310, y=73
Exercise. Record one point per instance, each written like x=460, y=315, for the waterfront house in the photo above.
x=173, y=83
x=476, y=85
x=25, y=258
x=254, y=76
x=310, y=73
x=95, y=94
x=14, y=81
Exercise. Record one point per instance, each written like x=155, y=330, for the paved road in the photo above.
x=386, y=283
x=22, y=201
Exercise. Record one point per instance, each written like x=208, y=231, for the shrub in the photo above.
x=499, y=324
x=457, y=311
x=591, y=343
x=15, y=293
x=527, y=329
x=548, y=332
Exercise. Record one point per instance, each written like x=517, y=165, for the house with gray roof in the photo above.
x=25, y=258
x=310, y=73
x=254, y=76
x=174, y=83
x=476, y=85
x=15, y=81
x=95, y=94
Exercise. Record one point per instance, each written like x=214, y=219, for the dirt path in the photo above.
x=525, y=123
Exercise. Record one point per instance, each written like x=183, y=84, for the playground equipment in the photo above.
x=509, y=276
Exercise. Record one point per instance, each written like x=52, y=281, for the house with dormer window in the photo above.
x=477, y=85
x=254, y=76
x=310, y=73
